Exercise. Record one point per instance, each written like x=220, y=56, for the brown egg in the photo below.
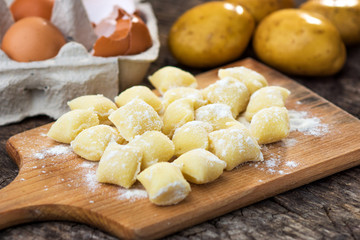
x=131, y=36
x=32, y=39
x=140, y=39
x=31, y=8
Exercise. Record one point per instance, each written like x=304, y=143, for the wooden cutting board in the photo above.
x=54, y=184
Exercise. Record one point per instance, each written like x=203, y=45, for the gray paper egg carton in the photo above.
x=45, y=87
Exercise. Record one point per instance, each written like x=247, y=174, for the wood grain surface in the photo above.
x=325, y=209
x=55, y=186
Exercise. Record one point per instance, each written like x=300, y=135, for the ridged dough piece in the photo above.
x=183, y=92
x=171, y=77
x=234, y=146
x=69, y=125
x=228, y=91
x=101, y=105
x=120, y=165
x=91, y=142
x=177, y=114
x=217, y=114
x=190, y=136
x=200, y=166
x=252, y=79
x=270, y=125
x=135, y=118
x=141, y=92
x=273, y=96
x=164, y=184
x=156, y=147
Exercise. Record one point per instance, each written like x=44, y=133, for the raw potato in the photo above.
x=91, y=142
x=120, y=165
x=164, y=184
x=101, y=105
x=171, y=77
x=228, y=91
x=156, y=147
x=135, y=118
x=270, y=125
x=69, y=125
x=300, y=42
x=345, y=15
x=200, y=166
x=272, y=96
x=140, y=92
x=234, y=146
x=261, y=8
x=183, y=92
x=191, y=135
x=217, y=114
x=211, y=34
x=177, y=114
x=252, y=79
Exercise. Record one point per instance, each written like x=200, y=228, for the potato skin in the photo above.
x=300, y=42
x=344, y=15
x=261, y=8
x=211, y=34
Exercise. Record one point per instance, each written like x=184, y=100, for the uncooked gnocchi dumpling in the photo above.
x=140, y=92
x=191, y=135
x=156, y=147
x=69, y=125
x=101, y=105
x=234, y=146
x=172, y=77
x=164, y=183
x=217, y=114
x=228, y=91
x=252, y=79
x=135, y=118
x=120, y=165
x=177, y=114
x=91, y=142
x=270, y=125
x=265, y=97
x=200, y=166
x=183, y=92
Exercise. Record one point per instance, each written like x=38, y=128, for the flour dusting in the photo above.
x=299, y=121
x=132, y=194
x=53, y=151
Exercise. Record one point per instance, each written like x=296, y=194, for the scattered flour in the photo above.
x=132, y=194
x=53, y=151
x=299, y=121
x=291, y=164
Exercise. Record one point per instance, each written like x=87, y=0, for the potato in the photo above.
x=261, y=8
x=300, y=42
x=211, y=34
x=345, y=15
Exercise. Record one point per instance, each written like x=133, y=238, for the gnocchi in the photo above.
x=156, y=147
x=101, y=105
x=252, y=79
x=270, y=125
x=172, y=77
x=164, y=184
x=217, y=114
x=228, y=91
x=183, y=92
x=120, y=165
x=135, y=118
x=191, y=135
x=140, y=92
x=91, y=142
x=200, y=166
x=69, y=125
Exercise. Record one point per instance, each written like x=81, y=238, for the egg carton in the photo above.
x=45, y=87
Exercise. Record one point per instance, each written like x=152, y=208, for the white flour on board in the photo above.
x=299, y=121
x=53, y=151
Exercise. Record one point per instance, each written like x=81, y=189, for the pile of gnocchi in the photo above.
x=186, y=136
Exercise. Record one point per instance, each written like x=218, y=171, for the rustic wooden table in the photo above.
x=325, y=209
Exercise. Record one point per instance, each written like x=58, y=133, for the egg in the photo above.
x=32, y=39
x=31, y=8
